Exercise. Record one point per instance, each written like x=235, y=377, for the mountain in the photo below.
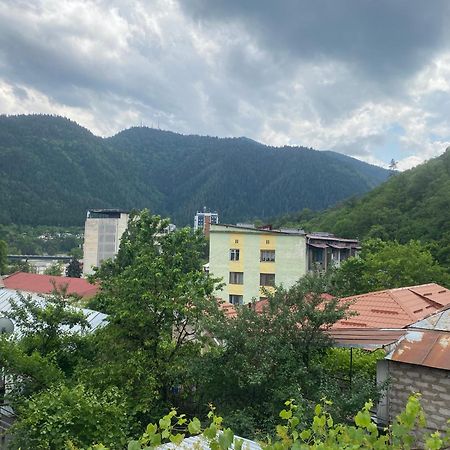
x=414, y=204
x=52, y=170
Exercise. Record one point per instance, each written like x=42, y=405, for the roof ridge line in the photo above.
x=410, y=315
x=429, y=300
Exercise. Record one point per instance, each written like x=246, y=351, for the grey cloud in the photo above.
x=381, y=38
x=294, y=71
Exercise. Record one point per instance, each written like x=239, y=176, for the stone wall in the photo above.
x=433, y=384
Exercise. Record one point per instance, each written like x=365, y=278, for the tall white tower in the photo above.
x=102, y=232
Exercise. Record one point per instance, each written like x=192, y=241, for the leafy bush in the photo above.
x=323, y=433
x=61, y=415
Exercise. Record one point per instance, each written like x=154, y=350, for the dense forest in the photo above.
x=52, y=170
x=411, y=205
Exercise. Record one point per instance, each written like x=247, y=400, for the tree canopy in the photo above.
x=170, y=173
x=386, y=265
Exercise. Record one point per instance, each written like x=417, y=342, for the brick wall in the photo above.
x=433, y=384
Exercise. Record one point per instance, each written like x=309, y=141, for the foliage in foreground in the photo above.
x=71, y=413
x=323, y=432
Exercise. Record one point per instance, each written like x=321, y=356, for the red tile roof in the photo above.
x=395, y=308
x=43, y=284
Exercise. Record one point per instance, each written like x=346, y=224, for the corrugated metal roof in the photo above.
x=44, y=284
x=394, y=308
x=423, y=347
x=200, y=443
x=367, y=338
x=95, y=319
x=439, y=320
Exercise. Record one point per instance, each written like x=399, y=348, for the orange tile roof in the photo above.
x=394, y=308
x=43, y=284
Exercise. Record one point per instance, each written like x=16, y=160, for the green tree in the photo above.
x=55, y=269
x=386, y=265
x=48, y=346
x=3, y=257
x=270, y=351
x=74, y=269
x=22, y=266
x=68, y=416
x=157, y=297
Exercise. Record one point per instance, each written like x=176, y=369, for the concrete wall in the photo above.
x=433, y=384
x=288, y=267
x=101, y=240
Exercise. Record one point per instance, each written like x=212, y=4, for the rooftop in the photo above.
x=428, y=348
x=395, y=308
x=45, y=284
x=95, y=319
x=251, y=228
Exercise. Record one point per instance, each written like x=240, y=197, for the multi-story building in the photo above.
x=204, y=219
x=102, y=232
x=325, y=250
x=251, y=261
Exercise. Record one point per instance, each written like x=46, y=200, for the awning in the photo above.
x=317, y=245
x=368, y=338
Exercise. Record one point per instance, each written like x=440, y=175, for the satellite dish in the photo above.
x=6, y=325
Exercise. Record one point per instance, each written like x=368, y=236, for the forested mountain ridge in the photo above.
x=414, y=204
x=52, y=170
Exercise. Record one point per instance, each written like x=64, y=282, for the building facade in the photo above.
x=325, y=250
x=251, y=260
x=102, y=232
x=204, y=219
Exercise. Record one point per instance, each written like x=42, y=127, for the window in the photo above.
x=268, y=255
x=236, y=277
x=234, y=254
x=267, y=241
x=236, y=241
x=236, y=299
x=267, y=279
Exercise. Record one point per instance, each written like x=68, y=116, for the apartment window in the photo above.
x=267, y=279
x=234, y=254
x=236, y=241
x=268, y=255
x=267, y=241
x=236, y=277
x=236, y=299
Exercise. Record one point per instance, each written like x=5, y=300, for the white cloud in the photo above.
x=112, y=64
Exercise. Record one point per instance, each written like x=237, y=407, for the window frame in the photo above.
x=264, y=275
x=235, y=254
x=236, y=278
x=239, y=297
x=267, y=259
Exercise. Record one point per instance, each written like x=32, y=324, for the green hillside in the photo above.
x=52, y=170
x=414, y=204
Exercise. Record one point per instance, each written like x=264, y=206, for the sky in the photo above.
x=367, y=78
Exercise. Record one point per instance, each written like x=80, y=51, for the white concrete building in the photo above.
x=102, y=232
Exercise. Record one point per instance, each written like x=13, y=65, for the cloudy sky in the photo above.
x=367, y=78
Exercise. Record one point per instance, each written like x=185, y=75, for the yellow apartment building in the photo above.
x=249, y=260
